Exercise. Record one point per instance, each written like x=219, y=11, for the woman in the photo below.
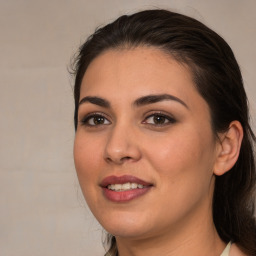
x=163, y=147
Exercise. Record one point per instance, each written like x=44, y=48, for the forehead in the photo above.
x=136, y=72
x=143, y=59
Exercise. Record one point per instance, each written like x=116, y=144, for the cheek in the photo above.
x=87, y=151
x=87, y=158
x=185, y=156
x=184, y=165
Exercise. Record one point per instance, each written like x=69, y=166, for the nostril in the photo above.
x=125, y=158
x=119, y=160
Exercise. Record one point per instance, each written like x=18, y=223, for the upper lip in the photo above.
x=122, y=180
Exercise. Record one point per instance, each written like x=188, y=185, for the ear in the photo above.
x=228, y=148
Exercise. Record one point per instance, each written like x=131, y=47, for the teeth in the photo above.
x=134, y=185
x=118, y=186
x=125, y=186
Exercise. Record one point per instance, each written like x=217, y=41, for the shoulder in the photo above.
x=235, y=251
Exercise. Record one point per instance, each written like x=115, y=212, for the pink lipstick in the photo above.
x=124, y=188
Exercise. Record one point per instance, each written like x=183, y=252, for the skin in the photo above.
x=179, y=157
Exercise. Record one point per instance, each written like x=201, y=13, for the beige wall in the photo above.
x=42, y=211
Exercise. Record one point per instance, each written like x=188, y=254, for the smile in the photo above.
x=124, y=188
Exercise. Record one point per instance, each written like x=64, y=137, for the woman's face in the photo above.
x=144, y=148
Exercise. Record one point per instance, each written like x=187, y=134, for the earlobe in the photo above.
x=228, y=148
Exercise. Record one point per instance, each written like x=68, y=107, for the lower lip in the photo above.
x=124, y=196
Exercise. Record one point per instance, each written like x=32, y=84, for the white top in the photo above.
x=226, y=251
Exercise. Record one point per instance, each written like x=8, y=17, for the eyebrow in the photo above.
x=150, y=99
x=142, y=101
x=95, y=100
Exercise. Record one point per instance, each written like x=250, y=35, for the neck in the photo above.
x=196, y=236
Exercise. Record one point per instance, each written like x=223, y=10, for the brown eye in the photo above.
x=95, y=120
x=159, y=119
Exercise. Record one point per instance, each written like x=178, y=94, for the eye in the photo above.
x=159, y=119
x=95, y=120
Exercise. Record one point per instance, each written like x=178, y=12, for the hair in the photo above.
x=218, y=79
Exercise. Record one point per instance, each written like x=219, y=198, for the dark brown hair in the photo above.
x=217, y=78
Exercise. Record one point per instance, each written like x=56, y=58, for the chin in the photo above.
x=127, y=232
x=125, y=225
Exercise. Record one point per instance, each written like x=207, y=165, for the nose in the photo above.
x=122, y=146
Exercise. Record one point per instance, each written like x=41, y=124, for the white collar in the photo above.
x=227, y=249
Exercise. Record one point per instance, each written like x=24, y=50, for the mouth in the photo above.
x=124, y=188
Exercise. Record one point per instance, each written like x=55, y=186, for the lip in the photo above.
x=124, y=196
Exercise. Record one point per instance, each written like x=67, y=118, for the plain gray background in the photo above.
x=42, y=211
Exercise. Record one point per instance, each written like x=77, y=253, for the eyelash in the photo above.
x=167, y=119
x=86, y=120
x=91, y=117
